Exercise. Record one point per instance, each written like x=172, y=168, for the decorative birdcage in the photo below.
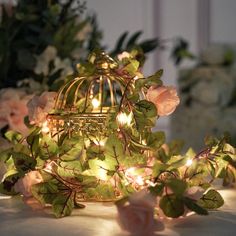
x=84, y=104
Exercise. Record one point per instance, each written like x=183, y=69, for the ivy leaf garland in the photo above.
x=76, y=168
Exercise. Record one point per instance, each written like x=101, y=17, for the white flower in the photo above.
x=43, y=60
x=123, y=55
x=64, y=64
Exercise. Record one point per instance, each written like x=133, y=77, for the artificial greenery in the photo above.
x=78, y=168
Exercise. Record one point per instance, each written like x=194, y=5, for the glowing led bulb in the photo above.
x=133, y=177
x=189, y=162
x=95, y=103
x=102, y=174
x=100, y=142
x=45, y=128
x=124, y=119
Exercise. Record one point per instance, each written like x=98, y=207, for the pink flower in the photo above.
x=40, y=106
x=137, y=215
x=13, y=109
x=23, y=185
x=165, y=99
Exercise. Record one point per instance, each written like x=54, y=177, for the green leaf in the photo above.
x=178, y=186
x=132, y=67
x=114, y=147
x=158, y=168
x=95, y=151
x=23, y=162
x=133, y=39
x=176, y=162
x=69, y=169
x=45, y=192
x=7, y=186
x=157, y=190
x=71, y=149
x=211, y=200
x=147, y=108
x=142, y=122
x=153, y=80
x=193, y=206
x=87, y=181
x=99, y=168
x=32, y=136
x=63, y=205
x=13, y=136
x=5, y=154
x=48, y=147
x=105, y=191
x=156, y=139
x=172, y=206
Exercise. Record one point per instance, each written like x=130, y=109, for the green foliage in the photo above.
x=23, y=162
x=193, y=206
x=120, y=160
x=211, y=200
x=63, y=205
x=177, y=186
x=181, y=51
x=7, y=185
x=126, y=43
x=155, y=140
x=172, y=206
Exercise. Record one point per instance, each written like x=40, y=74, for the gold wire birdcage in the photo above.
x=84, y=103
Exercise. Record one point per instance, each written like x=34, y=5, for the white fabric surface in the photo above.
x=17, y=219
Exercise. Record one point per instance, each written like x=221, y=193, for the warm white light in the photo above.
x=102, y=174
x=150, y=183
x=139, y=180
x=95, y=103
x=144, y=142
x=100, y=142
x=124, y=119
x=133, y=177
x=48, y=167
x=45, y=128
x=189, y=162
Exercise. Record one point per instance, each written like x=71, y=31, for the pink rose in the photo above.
x=40, y=106
x=13, y=109
x=165, y=99
x=23, y=185
x=137, y=215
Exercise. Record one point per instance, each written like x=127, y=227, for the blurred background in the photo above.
x=192, y=40
x=209, y=28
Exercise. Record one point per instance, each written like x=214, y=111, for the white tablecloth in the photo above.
x=17, y=219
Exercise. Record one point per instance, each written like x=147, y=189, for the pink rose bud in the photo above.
x=165, y=99
x=137, y=215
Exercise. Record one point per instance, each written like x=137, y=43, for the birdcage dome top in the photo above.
x=98, y=92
